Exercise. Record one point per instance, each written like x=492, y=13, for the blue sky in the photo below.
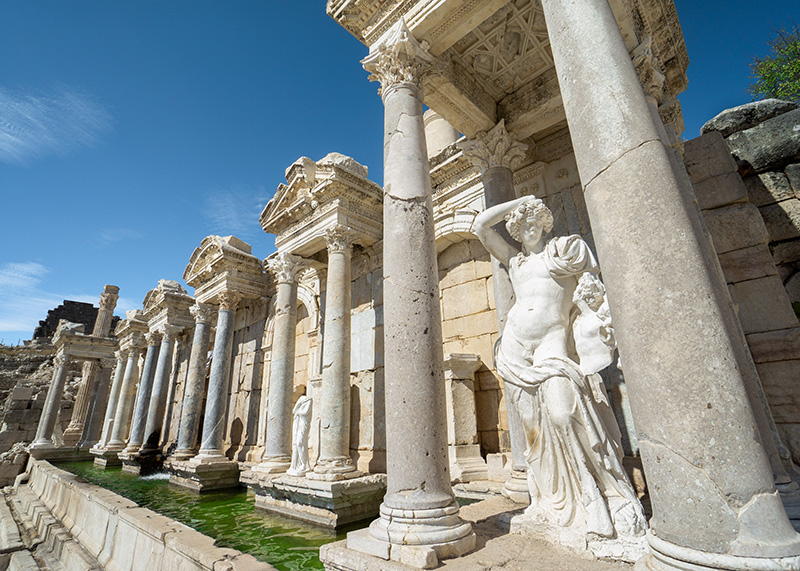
x=131, y=130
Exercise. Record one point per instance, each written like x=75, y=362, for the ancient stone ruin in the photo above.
x=552, y=304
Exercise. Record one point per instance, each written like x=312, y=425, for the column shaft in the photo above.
x=113, y=399
x=335, y=401
x=219, y=382
x=122, y=414
x=143, y=393
x=707, y=473
x=158, y=400
x=52, y=403
x=94, y=418
x=82, y=400
x=195, y=383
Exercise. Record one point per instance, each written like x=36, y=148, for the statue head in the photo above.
x=532, y=210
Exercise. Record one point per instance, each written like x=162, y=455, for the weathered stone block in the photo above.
x=481, y=346
x=454, y=255
x=707, y=156
x=469, y=326
x=793, y=174
x=769, y=145
x=786, y=252
x=763, y=305
x=781, y=345
x=487, y=380
x=780, y=385
x=782, y=219
x=768, y=188
x=458, y=274
x=747, y=264
x=735, y=227
x=487, y=407
x=465, y=299
x=22, y=394
x=746, y=116
x=720, y=190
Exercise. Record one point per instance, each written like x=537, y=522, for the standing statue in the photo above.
x=558, y=335
x=300, y=427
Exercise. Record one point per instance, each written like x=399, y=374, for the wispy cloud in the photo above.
x=39, y=124
x=111, y=235
x=235, y=211
x=22, y=275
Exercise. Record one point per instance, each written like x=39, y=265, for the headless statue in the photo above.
x=300, y=428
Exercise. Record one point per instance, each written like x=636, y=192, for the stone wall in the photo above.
x=73, y=311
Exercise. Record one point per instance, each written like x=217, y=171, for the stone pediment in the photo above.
x=130, y=331
x=319, y=195
x=168, y=303
x=222, y=264
x=492, y=58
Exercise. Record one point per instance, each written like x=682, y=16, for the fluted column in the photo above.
x=122, y=413
x=495, y=153
x=113, y=399
x=90, y=378
x=195, y=382
x=94, y=419
x=714, y=502
x=144, y=392
x=219, y=381
x=52, y=403
x=278, y=450
x=158, y=399
x=334, y=405
x=419, y=509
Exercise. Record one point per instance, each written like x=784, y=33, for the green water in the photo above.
x=228, y=516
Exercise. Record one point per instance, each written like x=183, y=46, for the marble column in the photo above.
x=87, y=389
x=219, y=381
x=495, y=153
x=144, y=392
x=94, y=419
x=419, y=511
x=334, y=457
x=278, y=450
x=195, y=382
x=158, y=398
x=113, y=399
x=714, y=501
x=52, y=403
x=122, y=413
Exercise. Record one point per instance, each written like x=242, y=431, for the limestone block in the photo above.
x=499, y=465
x=472, y=325
x=22, y=394
x=782, y=219
x=768, y=188
x=454, y=255
x=769, y=145
x=793, y=174
x=747, y=264
x=361, y=293
x=362, y=340
x=707, y=156
x=790, y=434
x=763, y=305
x=780, y=345
x=465, y=299
x=735, y=227
x=792, y=286
x=481, y=346
x=720, y=190
x=780, y=385
x=746, y=116
x=786, y=252
x=487, y=408
x=458, y=274
x=487, y=380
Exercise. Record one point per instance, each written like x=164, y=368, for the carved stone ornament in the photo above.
x=648, y=69
x=398, y=59
x=107, y=363
x=495, y=148
x=170, y=331
x=108, y=301
x=339, y=239
x=202, y=312
x=228, y=300
x=286, y=267
x=61, y=360
x=121, y=355
x=153, y=337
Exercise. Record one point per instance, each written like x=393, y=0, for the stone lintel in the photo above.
x=217, y=256
x=201, y=475
x=461, y=365
x=248, y=286
x=86, y=346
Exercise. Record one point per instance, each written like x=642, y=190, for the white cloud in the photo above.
x=235, y=211
x=111, y=235
x=21, y=275
x=40, y=124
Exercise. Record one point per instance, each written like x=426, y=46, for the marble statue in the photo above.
x=300, y=427
x=557, y=336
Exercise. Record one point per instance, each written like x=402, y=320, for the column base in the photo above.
x=46, y=451
x=203, y=473
x=516, y=488
x=104, y=458
x=466, y=463
x=667, y=556
x=330, y=503
x=277, y=465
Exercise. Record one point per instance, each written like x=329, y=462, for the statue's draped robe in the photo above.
x=575, y=473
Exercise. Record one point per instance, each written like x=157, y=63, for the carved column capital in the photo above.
x=494, y=148
x=107, y=363
x=152, y=338
x=399, y=60
x=286, y=267
x=228, y=300
x=61, y=359
x=339, y=238
x=121, y=355
x=648, y=69
x=169, y=331
x=202, y=312
x=108, y=301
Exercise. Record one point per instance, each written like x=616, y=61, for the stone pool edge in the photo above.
x=54, y=515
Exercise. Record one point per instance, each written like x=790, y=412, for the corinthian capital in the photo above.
x=228, y=300
x=169, y=331
x=202, y=312
x=286, y=267
x=398, y=59
x=108, y=301
x=153, y=337
x=648, y=69
x=494, y=148
x=339, y=239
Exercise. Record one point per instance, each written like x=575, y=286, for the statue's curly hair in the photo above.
x=533, y=208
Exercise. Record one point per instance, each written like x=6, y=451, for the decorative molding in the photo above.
x=398, y=60
x=169, y=331
x=202, y=312
x=153, y=338
x=228, y=300
x=61, y=359
x=286, y=267
x=648, y=69
x=495, y=148
x=108, y=301
x=339, y=239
